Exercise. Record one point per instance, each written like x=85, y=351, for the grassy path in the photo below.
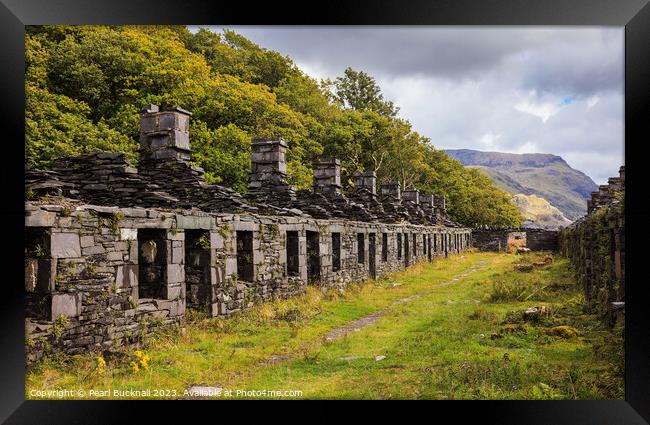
x=460, y=334
x=359, y=324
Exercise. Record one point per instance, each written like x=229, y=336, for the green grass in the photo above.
x=464, y=340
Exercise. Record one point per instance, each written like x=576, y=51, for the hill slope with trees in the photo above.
x=85, y=86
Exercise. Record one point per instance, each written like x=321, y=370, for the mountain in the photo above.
x=539, y=213
x=545, y=175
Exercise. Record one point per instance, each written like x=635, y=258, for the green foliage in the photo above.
x=59, y=325
x=204, y=242
x=57, y=126
x=358, y=90
x=85, y=86
x=113, y=221
x=37, y=251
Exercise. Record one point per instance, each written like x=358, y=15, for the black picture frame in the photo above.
x=633, y=14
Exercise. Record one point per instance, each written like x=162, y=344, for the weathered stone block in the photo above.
x=216, y=275
x=121, y=246
x=128, y=234
x=92, y=250
x=133, y=252
x=175, y=273
x=115, y=256
x=231, y=266
x=40, y=218
x=216, y=240
x=135, y=212
x=126, y=276
x=176, y=235
x=65, y=245
x=87, y=241
x=191, y=222
x=178, y=255
x=177, y=308
x=65, y=305
x=173, y=292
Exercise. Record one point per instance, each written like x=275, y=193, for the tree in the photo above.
x=358, y=90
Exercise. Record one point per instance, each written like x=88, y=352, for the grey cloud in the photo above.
x=460, y=86
x=573, y=59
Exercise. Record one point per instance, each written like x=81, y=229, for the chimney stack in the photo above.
x=268, y=163
x=440, y=202
x=427, y=200
x=412, y=195
x=165, y=134
x=391, y=188
x=366, y=180
x=327, y=176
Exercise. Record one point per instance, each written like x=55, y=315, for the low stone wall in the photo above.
x=497, y=239
x=595, y=245
x=490, y=240
x=98, y=277
x=542, y=239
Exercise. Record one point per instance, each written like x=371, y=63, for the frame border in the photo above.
x=633, y=14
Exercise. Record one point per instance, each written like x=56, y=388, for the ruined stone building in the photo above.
x=595, y=245
x=114, y=251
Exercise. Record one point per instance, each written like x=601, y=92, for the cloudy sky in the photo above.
x=553, y=90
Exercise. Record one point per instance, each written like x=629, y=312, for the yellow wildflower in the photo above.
x=101, y=365
x=144, y=361
x=135, y=367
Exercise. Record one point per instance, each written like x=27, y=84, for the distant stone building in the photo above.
x=115, y=251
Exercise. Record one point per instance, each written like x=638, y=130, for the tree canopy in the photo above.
x=85, y=86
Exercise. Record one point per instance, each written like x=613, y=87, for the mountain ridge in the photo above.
x=545, y=175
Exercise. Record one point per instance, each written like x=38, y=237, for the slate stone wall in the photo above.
x=542, y=239
x=595, y=245
x=92, y=271
x=490, y=240
x=496, y=240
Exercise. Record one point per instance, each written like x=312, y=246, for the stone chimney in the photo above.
x=268, y=164
x=427, y=200
x=165, y=134
x=440, y=202
x=366, y=180
x=603, y=190
x=615, y=183
x=391, y=188
x=621, y=173
x=327, y=176
x=412, y=195
x=594, y=202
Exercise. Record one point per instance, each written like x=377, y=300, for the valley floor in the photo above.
x=451, y=329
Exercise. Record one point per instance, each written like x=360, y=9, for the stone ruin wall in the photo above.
x=595, y=245
x=496, y=240
x=115, y=252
